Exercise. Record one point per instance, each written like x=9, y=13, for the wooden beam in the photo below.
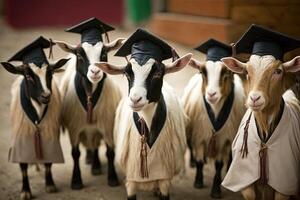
x=190, y=30
x=267, y=15
x=211, y=8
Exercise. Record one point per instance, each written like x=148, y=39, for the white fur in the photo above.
x=74, y=115
x=93, y=53
x=138, y=89
x=199, y=129
x=41, y=73
x=213, y=79
x=167, y=153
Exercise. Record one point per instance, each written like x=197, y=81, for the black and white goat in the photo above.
x=34, y=115
x=88, y=91
x=149, y=157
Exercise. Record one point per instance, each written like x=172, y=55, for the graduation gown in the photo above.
x=283, y=155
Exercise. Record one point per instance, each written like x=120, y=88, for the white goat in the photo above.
x=214, y=102
x=90, y=99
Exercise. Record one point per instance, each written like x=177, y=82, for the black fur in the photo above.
x=96, y=164
x=76, y=183
x=112, y=177
x=216, y=187
x=131, y=198
x=199, y=175
x=25, y=186
x=153, y=82
x=158, y=121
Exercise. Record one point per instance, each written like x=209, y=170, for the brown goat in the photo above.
x=267, y=81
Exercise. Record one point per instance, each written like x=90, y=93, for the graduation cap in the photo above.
x=215, y=50
x=33, y=52
x=261, y=41
x=91, y=30
x=142, y=46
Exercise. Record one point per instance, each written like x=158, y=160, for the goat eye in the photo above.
x=156, y=75
x=277, y=71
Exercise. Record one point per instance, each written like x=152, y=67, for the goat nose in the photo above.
x=254, y=98
x=211, y=94
x=135, y=100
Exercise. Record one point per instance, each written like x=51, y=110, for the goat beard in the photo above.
x=262, y=119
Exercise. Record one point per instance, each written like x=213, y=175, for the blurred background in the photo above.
x=182, y=23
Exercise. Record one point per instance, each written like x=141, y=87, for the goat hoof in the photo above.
x=76, y=186
x=51, y=189
x=216, y=195
x=113, y=182
x=198, y=184
x=96, y=171
x=25, y=195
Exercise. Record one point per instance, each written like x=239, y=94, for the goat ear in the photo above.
x=110, y=69
x=60, y=63
x=66, y=47
x=292, y=65
x=114, y=44
x=234, y=65
x=56, y=67
x=12, y=69
x=178, y=64
x=196, y=64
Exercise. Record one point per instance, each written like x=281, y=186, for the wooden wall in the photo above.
x=193, y=21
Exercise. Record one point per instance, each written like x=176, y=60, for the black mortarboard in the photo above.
x=91, y=30
x=215, y=50
x=262, y=41
x=142, y=46
x=33, y=52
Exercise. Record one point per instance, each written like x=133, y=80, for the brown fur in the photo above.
x=272, y=91
x=199, y=129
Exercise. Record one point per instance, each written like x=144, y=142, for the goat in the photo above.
x=269, y=129
x=214, y=102
x=149, y=157
x=35, y=116
x=87, y=91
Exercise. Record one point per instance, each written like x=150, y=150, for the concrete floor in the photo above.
x=95, y=186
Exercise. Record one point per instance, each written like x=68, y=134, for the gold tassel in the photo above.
x=38, y=143
x=143, y=154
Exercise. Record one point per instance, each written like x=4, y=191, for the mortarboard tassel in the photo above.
x=263, y=152
x=51, y=48
x=244, y=149
x=175, y=56
x=89, y=108
x=233, y=49
x=105, y=32
x=126, y=59
x=143, y=154
x=38, y=143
